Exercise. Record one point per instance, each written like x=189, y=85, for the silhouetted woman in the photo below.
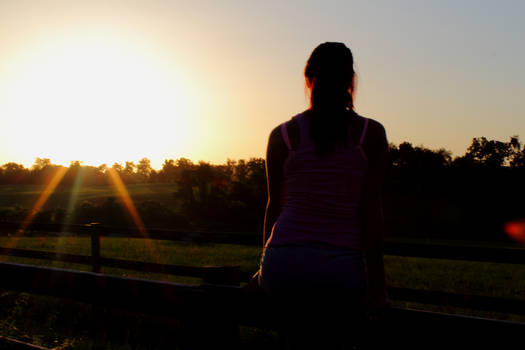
x=323, y=255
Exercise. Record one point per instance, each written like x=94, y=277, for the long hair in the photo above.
x=329, y=74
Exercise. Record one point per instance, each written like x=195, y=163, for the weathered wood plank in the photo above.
x=38, y=254
x=226, y=304
x=135, y=294
x=178, y=270
x=232, y=275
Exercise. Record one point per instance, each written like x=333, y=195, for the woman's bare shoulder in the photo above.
x=276, y=144
x=276, y=136
x=375, y=143
x=375, y=130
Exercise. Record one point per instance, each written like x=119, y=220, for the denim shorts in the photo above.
x=314, y=282
x=311, y=268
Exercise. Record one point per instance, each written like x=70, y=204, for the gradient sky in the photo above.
x=107, y=81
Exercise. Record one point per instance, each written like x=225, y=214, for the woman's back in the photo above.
x=321, y=192
x=323, y=233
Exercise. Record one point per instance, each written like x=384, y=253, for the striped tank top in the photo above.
x=322, y=193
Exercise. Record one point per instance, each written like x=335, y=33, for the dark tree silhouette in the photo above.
x=168, y=173
x=488, y=153
x=144, y=170
x=426, y=193
x=518, y=153
x=14, y=173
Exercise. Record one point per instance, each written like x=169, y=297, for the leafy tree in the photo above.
x=74, y=173
x=241, y=171
x=41, y=171
x=184, y=163
x=407, y=156
x=117, y=167
x=129, y=169
x=40, y=163
x=518, y=153
x=14, y=173
x=489, y=153
x=129, y=173
x=203, y=176
x=168, y=172
x=144, y=170
x=103, y=168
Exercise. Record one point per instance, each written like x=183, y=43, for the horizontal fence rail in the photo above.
x=422, y=250
x=105, y=290
x=226, y=303
x=57, y=230
x=232, y=275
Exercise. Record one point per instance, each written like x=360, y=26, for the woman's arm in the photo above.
x=376, y=148
x=276, y=154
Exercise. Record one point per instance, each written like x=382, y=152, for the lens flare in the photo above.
x=130, y=207
x=73, y=199
x=44, y=196
x=516, y=230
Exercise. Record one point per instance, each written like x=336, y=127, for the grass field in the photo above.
x=464, y=277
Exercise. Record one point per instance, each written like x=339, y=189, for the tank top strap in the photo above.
x=363, y=134
x=362, y=138
x=304, y=134
x=286, y=138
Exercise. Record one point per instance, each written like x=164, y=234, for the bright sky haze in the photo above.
x=115, y=81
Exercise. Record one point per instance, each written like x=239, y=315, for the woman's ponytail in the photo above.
x=329, y=75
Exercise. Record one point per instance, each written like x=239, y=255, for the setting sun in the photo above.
x=99, y=99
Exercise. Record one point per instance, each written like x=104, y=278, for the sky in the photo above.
x=115, y=81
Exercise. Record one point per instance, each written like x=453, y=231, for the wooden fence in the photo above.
x=221, y=301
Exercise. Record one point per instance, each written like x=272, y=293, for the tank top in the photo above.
x=321, y=193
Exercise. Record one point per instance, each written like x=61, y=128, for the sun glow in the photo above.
x=98, y=99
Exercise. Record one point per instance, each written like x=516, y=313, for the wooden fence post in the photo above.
x=95, y=247
x=99, y=313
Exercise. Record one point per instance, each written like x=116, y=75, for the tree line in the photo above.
x=172, y=171
x=470, y=197
x=427, y=193
x=482, y=153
